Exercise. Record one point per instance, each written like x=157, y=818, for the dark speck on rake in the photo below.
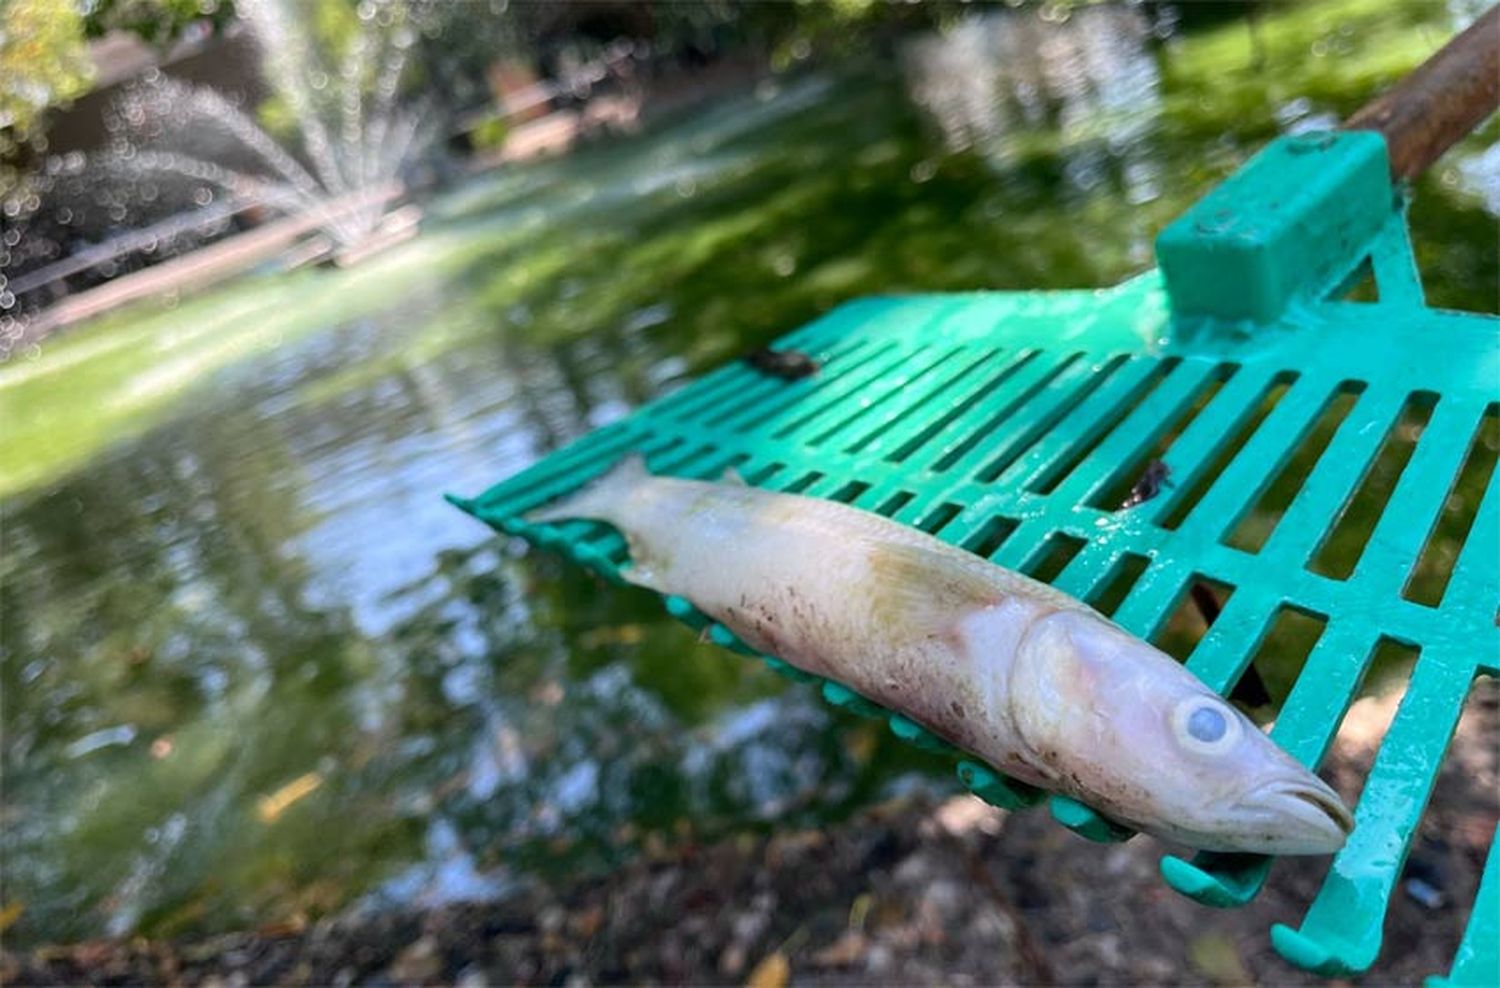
x=1156, y=476
x=789, y=365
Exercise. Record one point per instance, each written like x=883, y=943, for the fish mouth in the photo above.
x=1326, y=802
x=1309, y=816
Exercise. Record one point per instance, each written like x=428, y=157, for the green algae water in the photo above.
x=255, y=669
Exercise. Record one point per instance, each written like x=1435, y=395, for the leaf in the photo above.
x=1215, y=956
x=772, y=972
x=272, y=806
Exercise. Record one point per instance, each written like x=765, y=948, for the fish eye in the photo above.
x=1205, y=724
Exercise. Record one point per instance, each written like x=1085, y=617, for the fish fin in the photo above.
x=641, y=575
x=595, y=498
x=732, y=477
x=929, y=590
x=641, y=570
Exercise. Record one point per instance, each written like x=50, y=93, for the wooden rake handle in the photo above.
x=1444, y=99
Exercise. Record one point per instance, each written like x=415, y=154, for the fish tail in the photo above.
x=599, y=498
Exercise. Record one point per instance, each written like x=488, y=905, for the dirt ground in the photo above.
x=910, y=893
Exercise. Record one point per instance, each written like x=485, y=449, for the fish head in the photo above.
x=1128, y=730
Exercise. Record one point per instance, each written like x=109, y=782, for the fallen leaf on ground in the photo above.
x=772, y=972
x=846, y=951
x=1215, y=956
x=272, y=806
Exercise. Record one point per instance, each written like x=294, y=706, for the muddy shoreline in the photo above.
x=913, y=892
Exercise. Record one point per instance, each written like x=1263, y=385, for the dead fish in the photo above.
x=790, y=365
x=1036, y=683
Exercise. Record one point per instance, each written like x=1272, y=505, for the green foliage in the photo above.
x=276, y=115
x=157, y=22
x=338, y=43
x=490, y=134
x=43, y=62
x=334, y=27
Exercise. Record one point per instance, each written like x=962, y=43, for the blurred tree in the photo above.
x=43, y=61
x=463, y=40
x=158, y=22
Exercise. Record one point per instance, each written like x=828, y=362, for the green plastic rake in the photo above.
x=1009, y=423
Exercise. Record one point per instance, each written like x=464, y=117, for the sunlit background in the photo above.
x=254, y=667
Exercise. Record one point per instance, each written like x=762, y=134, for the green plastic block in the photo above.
x=1289, y=224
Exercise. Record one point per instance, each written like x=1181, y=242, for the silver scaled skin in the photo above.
x=1036, y=683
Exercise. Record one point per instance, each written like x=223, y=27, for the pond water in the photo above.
x=254, y=667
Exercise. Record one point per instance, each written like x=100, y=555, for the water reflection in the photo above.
x=262, y=687
x=253, y=667
x=1084, y=82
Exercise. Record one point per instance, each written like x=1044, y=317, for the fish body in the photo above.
x=1029, y=679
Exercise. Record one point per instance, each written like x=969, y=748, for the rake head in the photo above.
x=1306, y=458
